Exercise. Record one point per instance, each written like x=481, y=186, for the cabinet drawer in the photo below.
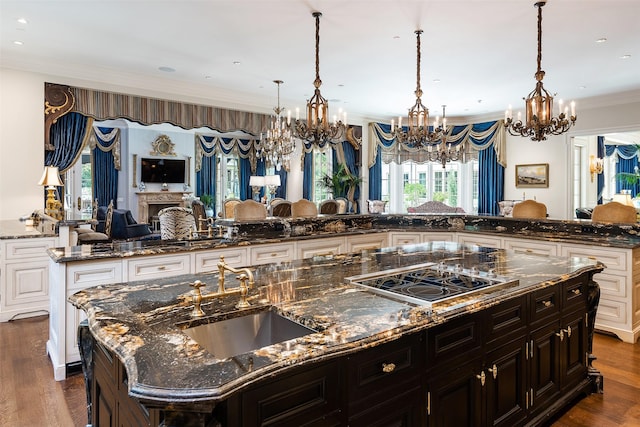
x=545, y=303
x=320, y=247
x=574, y=295
x=28, y=248
x=157, y=267
x=506, y=321
x=436, y=236
x=452, y=342
x=81, y=276
x=378, y=369
x=612, y=313
x=480, y=240
x=208, y=261
x=368, y=242
x=265, y=254
x=531, y=247
x=28, y=283
x=397, y=239
x=613, y=259
x=611, y=285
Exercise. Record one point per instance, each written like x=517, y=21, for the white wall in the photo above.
x=22, y=139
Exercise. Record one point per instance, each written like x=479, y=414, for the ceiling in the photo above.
x=228, y=52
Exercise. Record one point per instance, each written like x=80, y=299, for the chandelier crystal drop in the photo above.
x=277, y=144
x=440, y=151
x=418, y=134
x=539, y=119
x=317, y=129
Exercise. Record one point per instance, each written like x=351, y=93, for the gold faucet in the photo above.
x=243, y=290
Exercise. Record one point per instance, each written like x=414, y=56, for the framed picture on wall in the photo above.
x=532, y=176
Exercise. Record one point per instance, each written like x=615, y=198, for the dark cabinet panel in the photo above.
x=544, y=357
x=403, y=409
x=506, y=383
x=449, y=343
x=574, y=354
x=506, y=322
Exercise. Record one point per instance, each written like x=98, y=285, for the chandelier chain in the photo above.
x=418, y=56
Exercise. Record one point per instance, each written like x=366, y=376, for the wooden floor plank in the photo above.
x=29, y=396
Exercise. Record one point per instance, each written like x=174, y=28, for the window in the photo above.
x=227, y=178
x=411, y=184
x=322, y=165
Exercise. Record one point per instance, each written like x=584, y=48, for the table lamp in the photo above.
x=51, y=180
x=272, y=182
x=256, y=182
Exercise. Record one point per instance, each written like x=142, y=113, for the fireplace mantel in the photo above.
x=163, y=198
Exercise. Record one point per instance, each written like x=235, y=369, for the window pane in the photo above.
x=322, y=162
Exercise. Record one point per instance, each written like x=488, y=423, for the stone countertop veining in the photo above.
x=143, y=322
x=14, y=229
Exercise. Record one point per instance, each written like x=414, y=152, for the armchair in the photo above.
x=124, y=226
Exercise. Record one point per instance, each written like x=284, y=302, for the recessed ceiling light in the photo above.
x=601, y=40
x=582, y=87
x=236, y=62
x=207, y=77
x=627, y=56
x=166, y=69
x=18, y=42
x=341, y=85
x=396, y=37
x=436, y=80
x=21, y=21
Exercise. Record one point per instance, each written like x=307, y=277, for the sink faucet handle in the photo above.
x=197, y=298
x=197, y=285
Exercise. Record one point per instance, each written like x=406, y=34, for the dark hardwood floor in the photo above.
x=30, y=397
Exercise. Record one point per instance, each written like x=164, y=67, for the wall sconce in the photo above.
x=256, y=182
x=51, y=179
x=596, y=166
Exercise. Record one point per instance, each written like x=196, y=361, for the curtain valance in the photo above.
x=107, y=139
x=210, y=145
x=108, y=105
x=475, y=137
x=622, y=151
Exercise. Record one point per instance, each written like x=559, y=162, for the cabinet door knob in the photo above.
x=560, y=334
x=494, y=371
x=388, y=367
x=546, y=303
x=482, y=377
x=162, y=267
x=568, y=331
x=576, y=291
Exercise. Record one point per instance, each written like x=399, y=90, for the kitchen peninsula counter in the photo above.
x=142, y=322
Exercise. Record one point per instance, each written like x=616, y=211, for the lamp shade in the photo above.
x=50, y=177
x=272, y=180
x=256, y=181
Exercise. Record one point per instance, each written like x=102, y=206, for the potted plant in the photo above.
x=342, y=183
x=207, y=201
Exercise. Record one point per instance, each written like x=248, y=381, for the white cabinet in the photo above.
x=398, y=238
x=480, y=240
x=537, y=247
x=320, y=247
x=207, y=261
x=357, y=243
x=619, y=306
x=159, y=266
x=24, y=277
x=266, y=254
x=437, y=236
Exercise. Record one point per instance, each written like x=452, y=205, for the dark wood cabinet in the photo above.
x=513, y=363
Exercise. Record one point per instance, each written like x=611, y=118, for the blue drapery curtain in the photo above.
x=105, y=152
x=282, y=190
x=69, y=134
x=477, y=137
x=490, y=182
x=346, y=154
x=261, y=170
x=600, y=182
x=626, y=162
x=209, y=147
x=307, y=176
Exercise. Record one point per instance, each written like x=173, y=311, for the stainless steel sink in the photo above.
x=239, y=335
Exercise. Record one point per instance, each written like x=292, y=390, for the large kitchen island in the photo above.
x=505, y=341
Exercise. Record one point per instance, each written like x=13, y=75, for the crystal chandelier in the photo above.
x=539, y=105
x=417, y=133
x=440, y=151
x=317, y=129
x=276, y=144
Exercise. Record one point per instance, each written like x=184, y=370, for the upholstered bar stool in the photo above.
x=614, y=212
x=303, y=208
x=529, y=209
x=249, y=210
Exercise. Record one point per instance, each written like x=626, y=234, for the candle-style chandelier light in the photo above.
x=539, y=119
x=418, y=133
x=316, y=128
x=277, y=144
x=440, y=151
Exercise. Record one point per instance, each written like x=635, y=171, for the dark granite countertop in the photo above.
x=278, y=230
x=142, y=322
x=15, y=229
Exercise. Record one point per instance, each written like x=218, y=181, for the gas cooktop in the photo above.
x=431, y=284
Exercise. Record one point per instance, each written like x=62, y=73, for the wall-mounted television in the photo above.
x=162, y=170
